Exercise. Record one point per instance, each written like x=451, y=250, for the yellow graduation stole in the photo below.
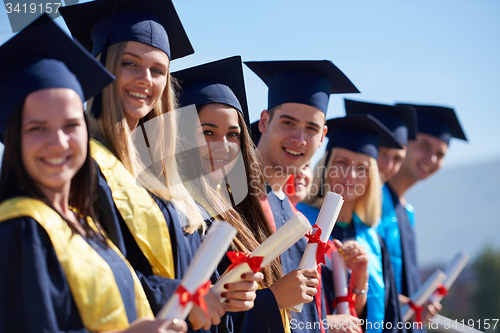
x=140, y=212
x=90, y=278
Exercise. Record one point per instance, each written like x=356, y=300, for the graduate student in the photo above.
x=436, y=126
x=226, y=161
x=136, y=40
x=401, y=121
x=292, y=128
x=302, y=182
x=53, y=247
x=349, y=168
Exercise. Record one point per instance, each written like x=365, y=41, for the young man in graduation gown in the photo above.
x=425, y=155
x=292, y=129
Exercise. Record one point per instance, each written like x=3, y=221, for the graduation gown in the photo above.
x=396, y=228
x=309, y=319
x=48, y=277
x=182, y=248
x=382, y=297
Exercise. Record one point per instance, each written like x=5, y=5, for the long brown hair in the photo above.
x=248, y=216
x=14, y=179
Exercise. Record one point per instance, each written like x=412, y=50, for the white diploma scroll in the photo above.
x=452, y=272
x=340, y=281
x=271, y=248
x=330, y=210
x=423, y=294
x=210, y=253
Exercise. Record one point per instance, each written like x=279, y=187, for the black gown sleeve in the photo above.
x=34, y=292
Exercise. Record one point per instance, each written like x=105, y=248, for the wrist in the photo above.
x=359, y=280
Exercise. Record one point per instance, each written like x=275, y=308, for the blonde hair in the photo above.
x=368, y=207
x=112, y=129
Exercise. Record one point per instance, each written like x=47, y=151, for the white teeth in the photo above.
x=136, y=94
x=218, y=161
x=55, y=161
x=293, y=152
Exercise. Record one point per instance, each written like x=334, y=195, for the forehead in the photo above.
x=53, y=104
x=435, y=142
x=144, y=50
x=352, y=156
x=301, y=112
x=218, y=113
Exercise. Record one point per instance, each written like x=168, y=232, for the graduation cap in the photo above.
x=400, y=120
x=220, y=81
x=360, y=133
x=98, y=24
x=255, y=132
x=43, y=56
x=305, y=82
x=439, y=121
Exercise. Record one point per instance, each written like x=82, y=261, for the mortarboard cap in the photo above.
x=304, y=82
x=255, y=132
x=439, y=121
x=152, y=22
x=400, y=120
x=43, y=56
x=220, y=81
x=361, y=133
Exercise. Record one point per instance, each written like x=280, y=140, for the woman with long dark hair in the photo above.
x=53, y=248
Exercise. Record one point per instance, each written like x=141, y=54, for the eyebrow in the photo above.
x=215, y=126
x=295, y=119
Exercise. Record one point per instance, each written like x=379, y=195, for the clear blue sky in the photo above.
x=428, y=51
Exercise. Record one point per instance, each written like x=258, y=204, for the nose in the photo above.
x=298, y=137
x=221, y=146
x=144, y=78
x=58, y=141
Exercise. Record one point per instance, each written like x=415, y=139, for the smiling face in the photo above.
x=389, y=162
x=221, y=131
x=349, y=174
x=53, y=138
x=141, y=80
x=292, y=136
x=303, y=182
x=425, y=156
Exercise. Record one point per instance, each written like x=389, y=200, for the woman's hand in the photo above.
x=197, y=317
x=240, y=295
x=157, y=326
x=343, y=323
x=431, y=309
x=355, y=256
x=297, y=287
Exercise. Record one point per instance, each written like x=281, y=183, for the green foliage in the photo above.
x=486, y=297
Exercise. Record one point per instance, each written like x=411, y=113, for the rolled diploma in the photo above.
x=424, y=293
x=271, y=248
x=340, y=281
x=203, y=265
x=452, y=272
x=330, y=210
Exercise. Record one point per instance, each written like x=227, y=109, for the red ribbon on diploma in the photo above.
x=418, y=311
x=197, y=298
x=351, y=299
x=322, y=246
x=441, y=290
x=239, y=257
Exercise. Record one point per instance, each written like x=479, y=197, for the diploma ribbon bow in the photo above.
x=240, y=257
x=418, y=311
x=322, y=246
x=351, y=299
x=441, y=290
x=197, y=297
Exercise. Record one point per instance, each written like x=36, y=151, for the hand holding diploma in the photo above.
x=195, y=284
x=270, y=249
x=317, y=246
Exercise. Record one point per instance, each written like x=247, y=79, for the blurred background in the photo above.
x=443, y=52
